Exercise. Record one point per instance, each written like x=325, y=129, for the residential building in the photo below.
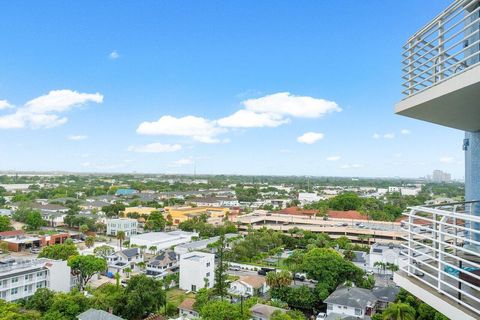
x=384, y=253
x=264, y=312
x=129, y=226
x=308, y=197
x=95, y=314
x=158, y=266
x=121, y=260
x=215, y=202
x=197, y=270
x=441, y=74
x=351, y=301
x=249, y=286
x=201, y=245
x=180, y=214
x=20, y=278
x=144, y=211
x=439, y=176
x=125, y=192
x=186, y=310
x=162, y=240
x=385, y=296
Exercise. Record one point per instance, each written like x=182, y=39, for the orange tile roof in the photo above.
x=187, y=304
x=297, y=211
x=351, y=214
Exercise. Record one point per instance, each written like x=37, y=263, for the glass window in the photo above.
x=358, y=312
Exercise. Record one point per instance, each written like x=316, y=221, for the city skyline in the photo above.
x=227, y=89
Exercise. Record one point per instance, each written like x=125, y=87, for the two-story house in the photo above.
x=121, y=260
x=351, y=301
x=249, y=286
x=163, y=262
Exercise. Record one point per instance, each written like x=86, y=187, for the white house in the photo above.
x=351, y=301
x=162, y=240
x=249, y=286
x=197, y=271
x=129, y=226
x=385, y=253
x=186, y=310
x=308, y=197
x=163, y=262
x=20, y=279
x=120, y=260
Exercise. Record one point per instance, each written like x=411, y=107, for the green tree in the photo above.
x=90, y=241
x=103, y=251
x=153, y=249
x=278, y=279
x=83, y=228
x=34, y=220
x=4, y=247
x=5, y=224
x=155, y=222
x=41, y=300
x=289, y=315
x=143, y=295
x=85, y=267
x=12, y=311
x=220, y=285
x=59, y=251
x=223, y=310
x=399, y=311
x=128, y=271
x=66, y=306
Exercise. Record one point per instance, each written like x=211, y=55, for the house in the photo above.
x=120, y=260
x=125, y=192
x=197, y=271
x=95, y=314
x=166, y=260
x=385, y=296
x=143, y=211
x=264, y=312
x=249, y=286
x=129, y=226
x=54, y=219
x=162, y=240
x=180, y=214
x=186, y=310
x=94, y=205
x=20, y=278
x=351, y=301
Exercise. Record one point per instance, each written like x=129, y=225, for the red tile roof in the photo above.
x=11, y=233
x=297, y=211
x=351, y=214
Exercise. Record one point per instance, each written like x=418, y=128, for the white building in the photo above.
x=120, y=260
x=129, y=226
x=249, y=286
x=385, y=253
x=394, y=189
x=201, y=244
x=308, y=197
x=197, y=270
x=21, y=278
x=162, y=240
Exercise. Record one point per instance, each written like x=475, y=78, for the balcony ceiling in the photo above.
x=453, y=103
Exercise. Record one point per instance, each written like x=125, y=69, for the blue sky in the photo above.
x=240, y=87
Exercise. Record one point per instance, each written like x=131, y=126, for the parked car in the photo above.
x=35, y=250
x=234, y=268
x=321, y=316
x=264, y=271
x=299, y=277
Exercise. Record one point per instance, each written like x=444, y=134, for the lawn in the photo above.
x=176, y=296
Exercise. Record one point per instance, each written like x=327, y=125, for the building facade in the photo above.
x=129, y=226
x=197, y=271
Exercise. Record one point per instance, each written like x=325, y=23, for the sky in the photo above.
x=220, y=87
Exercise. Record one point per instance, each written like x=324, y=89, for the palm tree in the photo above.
x=153, y=249
x=380, y=265
x=128, y=271
x=117, y=279
x=120, y=238
x=399, y=311
x=392, y=267
x=278, y=279
x=83, y=228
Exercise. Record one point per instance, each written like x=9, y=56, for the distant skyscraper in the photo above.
x=440, y=176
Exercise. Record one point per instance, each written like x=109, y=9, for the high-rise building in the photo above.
x=439, y=176
x=441, y=81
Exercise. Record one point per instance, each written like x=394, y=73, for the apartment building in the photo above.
x=441, y=82
x=197, y=270
x=20, y=279
x=129, y=226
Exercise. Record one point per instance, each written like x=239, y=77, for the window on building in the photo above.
x=208, y=274
x=208, y=264
x=358, y=312
x=14, y=291
x=15, y=280
x=194, y=288
x=330, y=306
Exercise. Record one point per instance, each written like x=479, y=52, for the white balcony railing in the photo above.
x=448, y=45
x=442, y=250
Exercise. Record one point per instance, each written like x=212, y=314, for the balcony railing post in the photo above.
x=411, y=73
x=441, y=48
x=410, y=242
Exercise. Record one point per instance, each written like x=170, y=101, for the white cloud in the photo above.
x=200, y=129
x=4, y=104
x=389, y=135
x=114, y=55
x=376, y=136
x=447, y=160
x=182, y=162
x=405, y=131
x=351, y=166
x=44, y=111
x=251, y=119
x=77, y=137
x=155, y=148
x=283, y=103
x=333, y=158
x=310, y=137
